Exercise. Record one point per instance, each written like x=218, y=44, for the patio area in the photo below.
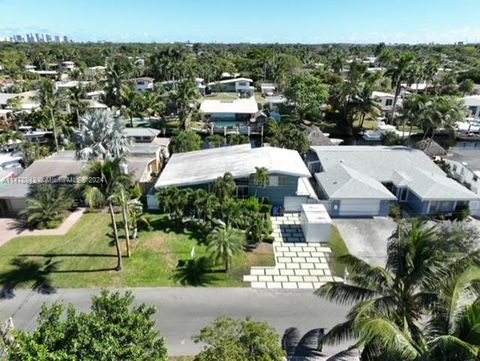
x=299, y=264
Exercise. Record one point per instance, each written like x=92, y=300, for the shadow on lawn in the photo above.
x=194, y=272
x=198, y=231
x=28, y=271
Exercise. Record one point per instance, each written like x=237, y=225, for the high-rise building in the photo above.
x=65, y=39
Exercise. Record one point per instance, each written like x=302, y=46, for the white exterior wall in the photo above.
x=243, y=87
x=359, y=208
x=464, y=173
x=143, y=86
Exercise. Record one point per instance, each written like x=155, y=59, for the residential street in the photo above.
x=182, y=312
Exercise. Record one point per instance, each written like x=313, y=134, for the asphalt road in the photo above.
x=182, y=312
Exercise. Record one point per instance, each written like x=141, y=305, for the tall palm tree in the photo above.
x=224, y=243
x=51, y=102
x=364, y=104
x=184, y=98
x=11, y=138
x=419, y=260
x=102, y=135
x=77, y=102
x=110, y=183
x=399, y=72
x=261, y=177
x=224, y=187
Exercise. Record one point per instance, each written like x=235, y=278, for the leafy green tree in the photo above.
x=173, y=201
x=291, y=137
x=224, y=243
x=114, y=329
x=10, y=139
x=365, y=105
x=232, y=340
x=47, y=204
x=186, y=142
x=467, y=86
x=236, y=139
x=224, y=187
x=308, y=94
x=215, y=141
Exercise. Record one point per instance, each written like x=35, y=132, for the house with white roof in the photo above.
x=237, y=115
x=143, y=84
x=288, y=186
x=67, y=65
x=386, y=101
x=236, y=85
x=472, y=103
x=359, y=181
x=465, y=166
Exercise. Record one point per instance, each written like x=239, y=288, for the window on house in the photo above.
x=241, y=83
x=242, y=191
x=276, y=181
x=433, y=206
x=388, y=102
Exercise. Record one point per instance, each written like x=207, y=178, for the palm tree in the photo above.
x=224, y=243
x=451, y=333
x=119, y=69
x=110, y=183
x=51, y=102
x=77, y=102
x=184, y=98
x=224, y=187
x=11, y=138
x=419, y=260
x=136, y=216
x=131, y=105
x=399, y=71
x=261, y=177
x=46, y=205
x=364, y=104
x=102, y=135
x=173, y=201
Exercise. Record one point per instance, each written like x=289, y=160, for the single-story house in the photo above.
x=236, y=85
x=359, y=181
x=67, y=65
x=385, y=100
x=465, y=166
x=142, y=135
x=288, y=187
x=472, y=103
x=64, y=167
x=267, y=89
x=143, y=84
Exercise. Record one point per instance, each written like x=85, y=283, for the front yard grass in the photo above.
x=85, y=257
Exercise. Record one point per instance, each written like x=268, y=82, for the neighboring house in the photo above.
x=142, y=135
x=95, y=72
x=360, y=181
x=386, y=101
x=147, y=153
x=67, y=66
x=95, y=95
x=465, y=166
x=63, y=167
x=233, y=116
x=172, y=85
x=289, y=184
x=143, y=84
x=27, y=99
x=267, y=89
x=472, y=103
x=49, y=74
x=237, y=85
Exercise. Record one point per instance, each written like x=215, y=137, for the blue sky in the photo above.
x=270, y=21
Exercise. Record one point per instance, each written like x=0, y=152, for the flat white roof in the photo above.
x=227, y=81
x=237, y=106
x=204, y=166
x=472, y=100
x=316, y=213
x=382, y=95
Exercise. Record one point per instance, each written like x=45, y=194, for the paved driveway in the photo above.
x=367, y=238
x=8, y=229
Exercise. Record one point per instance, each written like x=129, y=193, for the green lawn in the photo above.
x=339, y=248
x=85, y=257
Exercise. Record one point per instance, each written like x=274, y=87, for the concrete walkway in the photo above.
x=11, y=227
x=298, y=264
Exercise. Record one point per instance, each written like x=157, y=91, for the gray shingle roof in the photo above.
x=401, y=166
x=203, y=166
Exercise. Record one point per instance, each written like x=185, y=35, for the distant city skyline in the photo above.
x=267, y=21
